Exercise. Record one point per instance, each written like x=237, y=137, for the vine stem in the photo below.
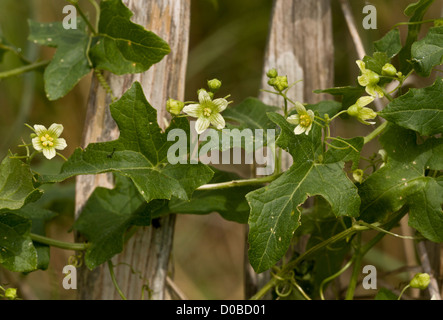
x=114, y=280
x=23, y=69
x=375, y=133
x=292, y=264
x=58, y=243
x=239, y=183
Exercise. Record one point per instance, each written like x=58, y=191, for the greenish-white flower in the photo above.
x=207, y=111
x=360, y=111
x=303, y=119
x=369, y=79
x=47, y=140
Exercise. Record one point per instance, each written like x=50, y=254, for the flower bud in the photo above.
x=11, y=293
x=358, y=175
x=281, y=83
x=420, y=281
x=174, y=106
x=214, y=85
x=272, y=73
x=389, y=70
x=438, y=22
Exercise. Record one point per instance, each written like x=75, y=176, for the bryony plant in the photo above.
x=353, y=192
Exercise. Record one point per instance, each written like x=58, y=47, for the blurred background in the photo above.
x=228, y=39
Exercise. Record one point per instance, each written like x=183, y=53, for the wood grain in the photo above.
x=300, y=46
x=148, y=251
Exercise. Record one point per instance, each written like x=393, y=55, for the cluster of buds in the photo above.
x=279, y=83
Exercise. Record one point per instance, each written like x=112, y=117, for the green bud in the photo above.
x=11, y=293
x=389, y=70
x=214, y=85
x=271, y=82
x=438, y=22
x=420, y=281
x=272, y=73
x=358, y=175
x=33, y=135
x=353, y=110
x=174, y=106
x=281, y=83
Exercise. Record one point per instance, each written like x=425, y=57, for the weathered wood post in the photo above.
x=300, y=46
x=148, y=251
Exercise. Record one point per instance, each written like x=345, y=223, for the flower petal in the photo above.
x=203, y=96
x=219, y=105
x=37, y=144
x=39, y=129
x=60, y=144
x=49, y=153
x=217, y=121
x=364, y=101
x=363, y=80
x=193, y=110
x=308, y=129
x=55, y=130
x=299, y=130
x=294, y=119
x=202, y=124
x=361, y=65
x=311, y=114
x=300, y=108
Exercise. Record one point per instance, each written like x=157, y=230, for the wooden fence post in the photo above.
x=300, y=46
x=148, y=251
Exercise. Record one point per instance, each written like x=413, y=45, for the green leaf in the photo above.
x=420, y=110
x=328, y=260
x=250, y=114
x=122, y=46
x=106, y=216
x=275, y=211
x=230, y=203
x=38, y=217
x=428, y=52
x=70, y=62
x=344, y=152
x=140, y=153
x=390, y=43
x=17, y=253
x=416, y=12
x=385, y=294
x=16, y=186
x=376, y=62
x=402, y=181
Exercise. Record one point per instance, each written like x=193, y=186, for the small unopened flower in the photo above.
x=214, y=85
x=174, y=106
x=420, y=281
x=358, y=175
x=207, y=111
x=272, y=73
x=47, y=140
x=384, y=157
x=389, y=70
x=279, y=83
x=360, y=111
x=369, y=79
x=11, y=293
x=303, y=119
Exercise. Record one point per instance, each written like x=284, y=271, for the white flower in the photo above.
x=303, y=119
x=207, y=111
x=47, y=140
